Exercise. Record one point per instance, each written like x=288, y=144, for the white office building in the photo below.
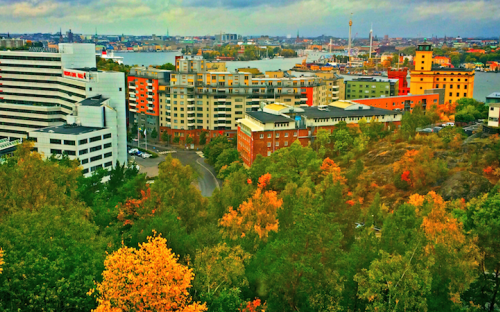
x=45, y=89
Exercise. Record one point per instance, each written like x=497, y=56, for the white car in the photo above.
x=133, y=151
x=450, y=124
x=145, y=155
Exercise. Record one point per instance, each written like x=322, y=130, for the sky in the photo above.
x=396, y=18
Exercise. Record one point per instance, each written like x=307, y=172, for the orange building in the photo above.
x=458, y=83
x=403, y=102
x=399, y=74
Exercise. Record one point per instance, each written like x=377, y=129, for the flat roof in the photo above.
x=268, y=117
x=332, y=111
x=68, y=129
x=494, y=95
x=94, y=101
x=275, y=107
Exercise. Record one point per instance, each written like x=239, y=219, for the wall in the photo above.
x=398, y=102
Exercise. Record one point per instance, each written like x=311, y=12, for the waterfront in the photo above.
x=485, y=83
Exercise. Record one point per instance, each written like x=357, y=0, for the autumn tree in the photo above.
x=146, y=279
x=220, y=268
x=258, y=215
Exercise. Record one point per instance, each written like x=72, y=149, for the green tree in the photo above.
x=52, y=256
x=167, y=66
x=154, y=133
x=165, y=137
x=342, y=141
x=227, y=157
x=203, y=137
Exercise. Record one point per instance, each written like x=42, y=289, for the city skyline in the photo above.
x=279, y=18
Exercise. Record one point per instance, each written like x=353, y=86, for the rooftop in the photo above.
x=94, y=101
x=332, y=111
x=68, y=129
x=267, y=117
x=494, y=95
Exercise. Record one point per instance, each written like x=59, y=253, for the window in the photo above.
x=286, y=134
x=108, y=164
x=108, y=155
x=55, y=141
x=96, y=138
x=277, y=135
x=268, y=144
x=277, y=144
x=437, y=86
x=85, y=161
x=83, y=152
x=120, y=89
x=261, y=136
x=295, y=134
x=286, y=143
x=55, y=151
x=465, y=87
x=451, y=86
x=96, y=148
x=269, y=135
x=107, y=145
x=69, y=142
x=70, y=153
x=450, y=93
x=458, y=94
x=106, y=136
x=465, y=94
x=95, y=158
x=268, y=153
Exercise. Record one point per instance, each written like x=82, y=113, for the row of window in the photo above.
x=32, y=73
x=270, y=135
x=451, y=86
x=277, y=144
x=47, y=89
x=30, y=58
x=44, y=82
x=41, y=96
x=31, y=66
x=32, y=119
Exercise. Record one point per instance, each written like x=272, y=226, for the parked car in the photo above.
x=133, y=151
x=145, y=155
x=449, y=124
x=426, y=130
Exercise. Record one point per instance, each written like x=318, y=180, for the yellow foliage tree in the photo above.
x=257, y=215
x=1, y=260
x=145, y=279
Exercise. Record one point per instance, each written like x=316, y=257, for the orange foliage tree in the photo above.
x=419, y=168
x=145, y=279
x=330, y=167
x=254, y=306
x=134, y=208
x=257, y=215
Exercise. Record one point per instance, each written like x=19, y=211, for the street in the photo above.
x=207, y=181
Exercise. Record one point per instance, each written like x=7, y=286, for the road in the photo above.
x=207, y=181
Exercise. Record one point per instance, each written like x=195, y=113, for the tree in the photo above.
x=154, y=133
x=220, y=268
x=167, y=66
x=227, y=157
x=419, y=168
x=149, y=278
x=342, y=140
x=176, y=139
x=51, y=257
x=165, y=137
x=258, y=215
x=203, y=137
x=395, y=283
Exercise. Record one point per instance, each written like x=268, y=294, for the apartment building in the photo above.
x=278, y=125
x=214, y=101
x=402, y=102
x=144, y=100
x=368, y=87
x=458, y=83
x=42, y=89
x=89, y=135
x=12, y=43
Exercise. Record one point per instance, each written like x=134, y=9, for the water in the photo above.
x=485, y=83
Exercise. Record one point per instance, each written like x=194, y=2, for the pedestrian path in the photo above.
x=166, y=152
x=200, y=154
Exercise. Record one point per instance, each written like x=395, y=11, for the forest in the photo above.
x=365, y=218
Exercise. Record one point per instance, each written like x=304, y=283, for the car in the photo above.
x=133, y=151
x=145, y=155
x=138, y=153
x=426, y=130
x=449, y=124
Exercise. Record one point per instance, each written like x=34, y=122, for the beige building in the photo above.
x=216, y=66
x=335, y=87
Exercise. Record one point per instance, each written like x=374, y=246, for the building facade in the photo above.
x=458, y=83
x=144, y=100
x=90, y=135
x=278, y=125
x=199, y=100
x=43, y=89
x=401, y=102
x=400, y=75
x=368, y=87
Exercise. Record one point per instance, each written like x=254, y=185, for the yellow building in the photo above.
x=458, y=83
x=275, y=74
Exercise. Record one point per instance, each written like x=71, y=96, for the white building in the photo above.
x=90, y=136
x=493, y=114
x=42, y=89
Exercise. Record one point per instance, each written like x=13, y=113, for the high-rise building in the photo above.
x=144, y=100
x=458, y=83
x=48, y=89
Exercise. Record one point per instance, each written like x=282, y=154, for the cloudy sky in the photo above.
x=254, y=17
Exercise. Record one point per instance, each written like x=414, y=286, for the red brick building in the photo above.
x=278, y=125
x=400, y=74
